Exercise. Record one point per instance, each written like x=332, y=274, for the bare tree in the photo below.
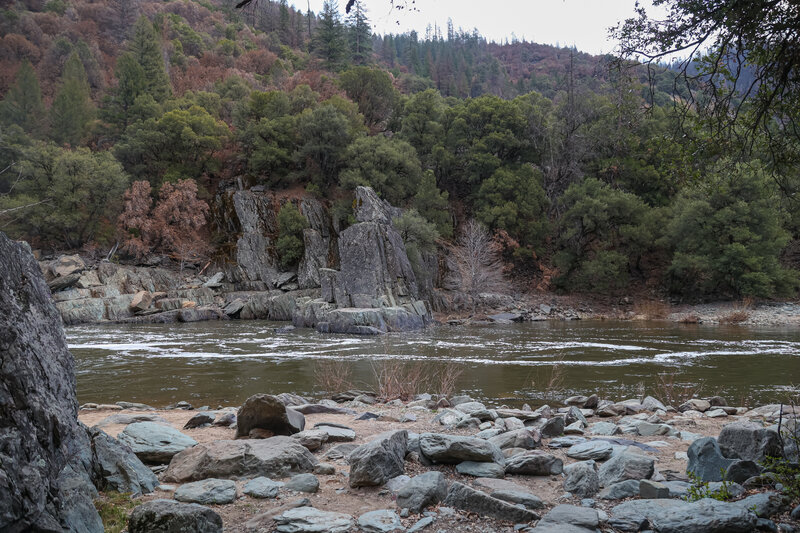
x=474, y=261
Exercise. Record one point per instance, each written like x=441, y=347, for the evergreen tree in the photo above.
x=23, y=102
x=146, y=50
x=72, y=108
x=329, y=39
x=284, y=26
x=131, y=84
x=359, y=34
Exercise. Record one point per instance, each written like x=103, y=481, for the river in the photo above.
x=222, y=363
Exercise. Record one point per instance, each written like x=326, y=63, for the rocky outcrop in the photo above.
x=45, y=459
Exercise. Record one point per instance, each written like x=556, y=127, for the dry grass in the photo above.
x=401, y=379
x=550, y=380
x=652, y=309
x=333, y=376
x=690, y=319
x=445, y=379
x=669, y=391
x=740, y=313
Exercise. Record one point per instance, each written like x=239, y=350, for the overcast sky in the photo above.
x=583, y=23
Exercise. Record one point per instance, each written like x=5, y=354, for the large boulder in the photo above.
x=705, y=516
x=706, y=460
x=468, y=499
x=422, y=491
x=155, y=443
x=526, y=438
x=442, y=448
x=265, y=411
x=310, y=520
x=582, y=479
x=749, y=441
x=275, y=457
x=45, y=457
x=116, y=467
x=534, y=463
x=624, y=466
x=207, y=491
x=169, y=516
x=378, y=461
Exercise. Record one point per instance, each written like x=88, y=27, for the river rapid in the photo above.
x=222, y=363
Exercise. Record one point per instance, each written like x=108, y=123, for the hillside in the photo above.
x=123, y=122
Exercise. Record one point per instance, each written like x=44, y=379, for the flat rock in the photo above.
x=310, y=520
x=422, y=491
x=378, y=461
x=199, y=420
x=569, y=519
x=582, y=479
x=265, y=411
x=170, y=516
x=477, y=469
x=462, y=497
x=312, y=439
x=303, y=483
x=604, y=428
x=493, y=485
x=565, y=442
x=451, y=449
x=380, y=521
x=620, y=490
x=527, y=438
x=653, y=490
x=321, y=409
x=155, y=443
x=596, y=450
x=207, y=491
x=337, y=433
x=625, y=466
x=635, y=515
x=274, y=457
x=705, y=516
x=262, y=487
x=129, y=418
x=530, y=501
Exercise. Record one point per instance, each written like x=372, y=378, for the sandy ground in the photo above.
x=336, y=495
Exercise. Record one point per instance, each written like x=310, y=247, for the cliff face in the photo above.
x=45, y=455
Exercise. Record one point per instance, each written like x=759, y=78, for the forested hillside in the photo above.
x=121, y=120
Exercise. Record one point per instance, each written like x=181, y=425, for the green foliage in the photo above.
x=56, y=6
x=422, y=119
x=179, y=143
x=602, y=235
x=372, y=90
x=359, y=34
x=329, y=42
x=699, y=489
x=72, y=107
x=290, y=246
x=419, y=237
x=324, y=132
x=131, y=84
x=71, y=194
x=786, y=472
x=513, y=199
x=432, y=204
x=389, y=166
x=22, y=104
x=727, y=235
x=145, y=49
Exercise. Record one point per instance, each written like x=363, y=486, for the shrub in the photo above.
x=289, y=245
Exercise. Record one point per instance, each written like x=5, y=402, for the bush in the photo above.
x=289, y=245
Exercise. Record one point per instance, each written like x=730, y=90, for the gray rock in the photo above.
x=604, y=428
x=421, y=524
x=569, y=519
x=468, y=499
x=473, y=468
x=620, y=490
x=325, y=469
x=635, y=515
x=337, y=433
x=582, y=479
x=527, y=499
x=396, y=483
x=443, y=448
x=653, y=490
x=704, y=516
x=135, y=406
x=646, y=429
x=381, y=521
x=565, y=442
x=534, y=463
x=312, y=439
x=652, y=404
x=127, y=418
x=553, y=427
x=422, y=491
x=706, y=460
x=262, y=487
x=154, y=443
x=45, y=481
x=527, y=438
x=764, y=504
x=115, y=467
x=200, y=419
x=274, y=457
x=207, y=491
x=265, y=411
x=303, y=483
x=741, y=471
x=319, y=408
x=169, y=516
x=677, y=489
x=340, y=451
x=226, y=420
x=749, y=441
x=378, y=461
x=597, y=450
x=625, y=466
x=310, y=520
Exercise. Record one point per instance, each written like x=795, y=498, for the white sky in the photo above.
x=583, y=23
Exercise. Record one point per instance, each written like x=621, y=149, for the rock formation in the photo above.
x=45, y=457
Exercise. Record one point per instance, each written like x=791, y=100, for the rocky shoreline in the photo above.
x=435, y=463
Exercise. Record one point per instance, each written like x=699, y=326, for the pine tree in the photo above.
x=359, y=34
x=146, y=50
x=284, y=27
x=72, y=108
x=329, y=39
x=131, y=84
x=23, y=102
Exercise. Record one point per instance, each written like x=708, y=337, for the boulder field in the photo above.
x=463, y=465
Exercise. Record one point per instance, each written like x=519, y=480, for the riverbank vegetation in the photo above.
x=589, y=173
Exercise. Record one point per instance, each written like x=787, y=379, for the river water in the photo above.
x=222, y=363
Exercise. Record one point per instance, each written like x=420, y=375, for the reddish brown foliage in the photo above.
x=258, y=61
x=174, y=226
x=16, y=47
